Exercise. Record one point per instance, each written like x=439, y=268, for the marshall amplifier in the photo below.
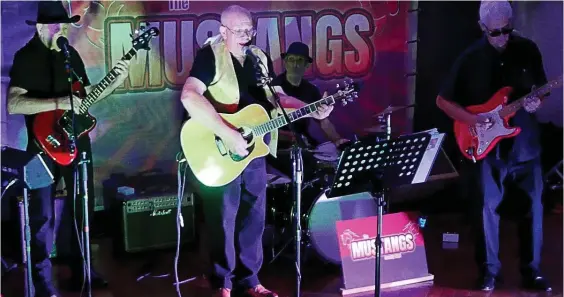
x=148, y=222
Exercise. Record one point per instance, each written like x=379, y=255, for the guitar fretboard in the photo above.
x=280, y=121
x=104, y=84
x=517, y=104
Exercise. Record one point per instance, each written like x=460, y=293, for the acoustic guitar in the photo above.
x=215, y=165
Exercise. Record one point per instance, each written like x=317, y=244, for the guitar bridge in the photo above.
x=220, y=146
x=53, y=141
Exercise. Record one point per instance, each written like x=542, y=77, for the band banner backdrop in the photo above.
x=138, y=126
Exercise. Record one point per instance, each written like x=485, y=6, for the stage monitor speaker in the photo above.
x=26, y=167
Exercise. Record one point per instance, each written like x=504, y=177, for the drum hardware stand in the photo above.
x=297, y=169
x=390, y=157
x=556, y=172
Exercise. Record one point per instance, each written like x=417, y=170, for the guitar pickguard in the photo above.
x=486, y=135
x=83, y=123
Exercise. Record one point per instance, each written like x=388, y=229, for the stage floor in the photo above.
x=454, y=269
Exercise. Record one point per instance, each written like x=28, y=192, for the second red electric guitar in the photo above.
x=474, y=141
x=54, y=130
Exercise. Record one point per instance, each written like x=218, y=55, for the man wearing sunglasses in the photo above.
x=502, y=58
x=223, y=79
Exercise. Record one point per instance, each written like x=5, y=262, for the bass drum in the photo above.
x=325, y=212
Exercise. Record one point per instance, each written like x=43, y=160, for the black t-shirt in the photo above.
x=307, y=93
x=481, y=71
x=41, y=71
x=203, y=69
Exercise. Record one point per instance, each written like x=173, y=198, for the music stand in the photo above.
x=374, y=166
x=33, y=173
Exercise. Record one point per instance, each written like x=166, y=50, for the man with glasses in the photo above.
x=501, y=59
x=223, y=79
x=318, y=134
x=296, y=62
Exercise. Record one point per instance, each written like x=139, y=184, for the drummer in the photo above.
x=316, y=132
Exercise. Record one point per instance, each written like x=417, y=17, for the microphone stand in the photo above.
x=379, y=194
x=82, y=163
x=297, y=170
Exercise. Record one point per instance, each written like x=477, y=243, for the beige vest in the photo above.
x=224, y=87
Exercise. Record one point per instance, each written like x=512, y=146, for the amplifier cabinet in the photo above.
x=149, y=223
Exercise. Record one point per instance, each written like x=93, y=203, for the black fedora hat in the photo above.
x=298, y=48
x=52, y=12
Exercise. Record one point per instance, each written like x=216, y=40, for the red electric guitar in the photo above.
x=53, y=129
x=475, y=142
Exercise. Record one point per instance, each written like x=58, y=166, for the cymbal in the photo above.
x=391, y=109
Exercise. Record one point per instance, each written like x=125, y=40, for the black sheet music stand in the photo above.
x=374, y=166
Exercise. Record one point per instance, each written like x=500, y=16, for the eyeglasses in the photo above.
x=242, y=33
x=295, y=60
x=498, y=32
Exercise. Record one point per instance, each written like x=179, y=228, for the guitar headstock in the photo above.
x=347, y=93
x=143, y=35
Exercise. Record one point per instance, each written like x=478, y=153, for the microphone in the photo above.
x=247, y=51
x=63, y=43
x=261, y=80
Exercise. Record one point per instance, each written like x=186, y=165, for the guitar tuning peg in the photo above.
x=344, y=102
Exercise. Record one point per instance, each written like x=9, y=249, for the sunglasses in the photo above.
x=498, y=32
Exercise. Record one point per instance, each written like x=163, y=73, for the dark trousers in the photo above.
x=42, y=218
x=527, y=177
x=234, y=225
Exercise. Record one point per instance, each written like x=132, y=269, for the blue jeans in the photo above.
x=235, y=219
x=527, y=176
x=42, y=219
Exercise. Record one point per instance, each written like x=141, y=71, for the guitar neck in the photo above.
x=104, y=84
x=280, y=121
x=517, y=104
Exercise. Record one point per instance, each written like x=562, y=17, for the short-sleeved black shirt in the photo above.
x=481, y=70
x=307, y=93
x=203, y=69
x=41, y=71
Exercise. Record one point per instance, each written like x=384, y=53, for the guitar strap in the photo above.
x=78, y=77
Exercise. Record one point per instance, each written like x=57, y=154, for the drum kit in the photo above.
x=319, y=214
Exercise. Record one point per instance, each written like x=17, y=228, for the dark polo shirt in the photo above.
x=41, y=71
x=480, y=71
